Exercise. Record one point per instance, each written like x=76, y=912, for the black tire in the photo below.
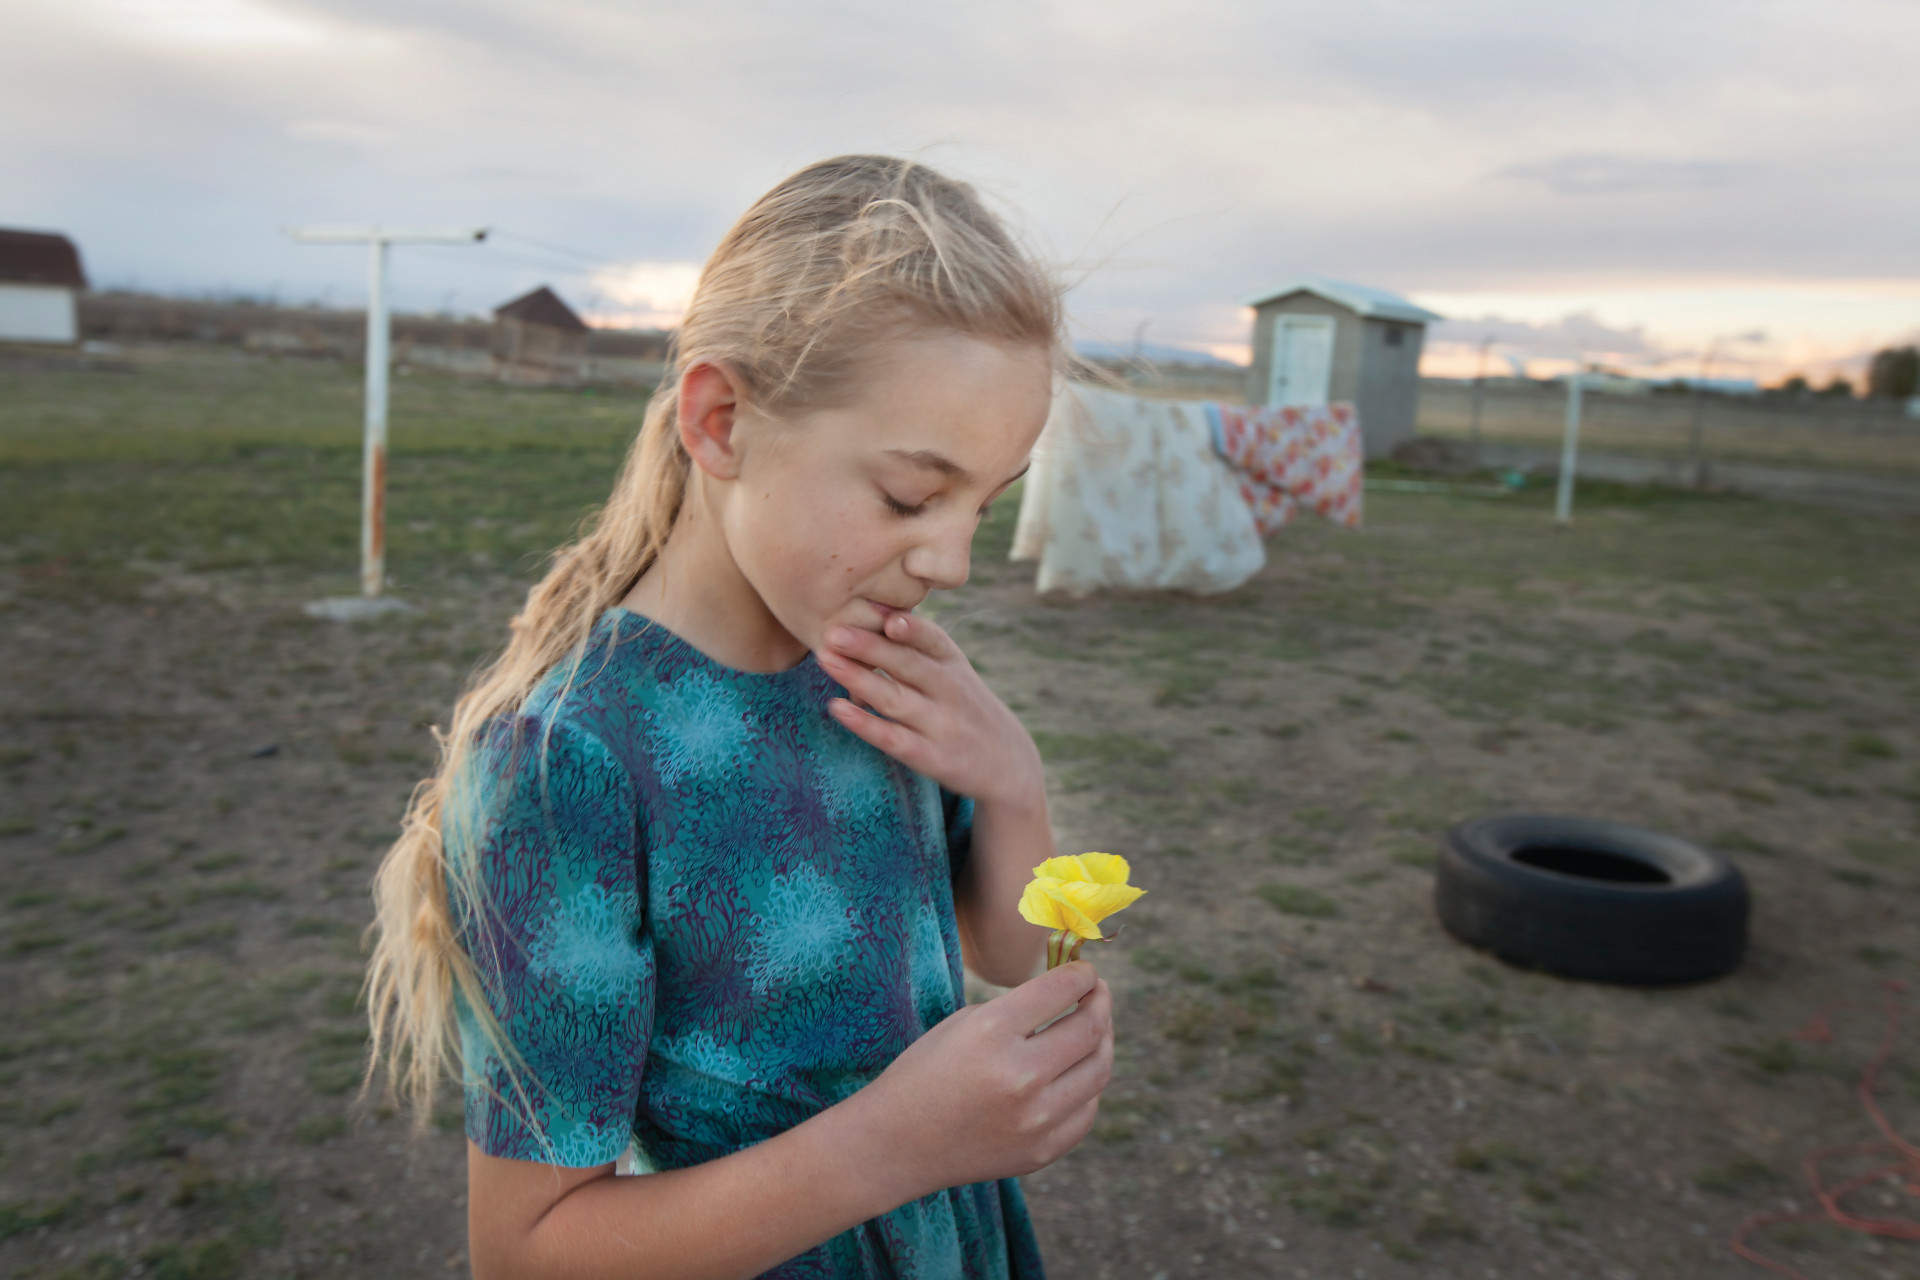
x=1586, y=898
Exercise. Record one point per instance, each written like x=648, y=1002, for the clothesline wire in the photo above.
x=506, y=258
x=593, y=259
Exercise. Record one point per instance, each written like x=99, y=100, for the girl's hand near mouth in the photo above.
x=940, y=719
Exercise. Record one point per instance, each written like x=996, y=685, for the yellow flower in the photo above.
x=1077, y=893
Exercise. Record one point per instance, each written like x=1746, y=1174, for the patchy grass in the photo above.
x=1296, y=900
x=1270, y=761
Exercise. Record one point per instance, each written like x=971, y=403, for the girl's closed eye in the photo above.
x=900, y=508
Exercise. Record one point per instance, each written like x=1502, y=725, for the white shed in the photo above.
x=1316, y=340
x=40, y=283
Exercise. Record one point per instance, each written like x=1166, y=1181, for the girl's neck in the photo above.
x=695, y=589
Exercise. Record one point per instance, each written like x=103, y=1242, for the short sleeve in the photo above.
x=552, y=826
x=957, y=810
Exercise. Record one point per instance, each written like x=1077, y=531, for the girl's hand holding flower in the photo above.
x=983, y=1096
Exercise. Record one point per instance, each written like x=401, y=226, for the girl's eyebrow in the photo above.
x=934, y=460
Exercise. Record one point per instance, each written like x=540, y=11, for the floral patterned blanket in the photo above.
x=1293, y=456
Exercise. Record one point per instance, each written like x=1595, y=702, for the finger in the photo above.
x=1064, y=1039
x=889, y=736
x=927, y=636
x=888, y=696
x=1037, y=999
x=903, y=662
x=1073, y=1034
x=1070, y=1132
x=1079, y=1084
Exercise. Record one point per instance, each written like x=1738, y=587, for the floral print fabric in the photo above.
x=1293, y=456
x=1126, y=492
x=710, y=913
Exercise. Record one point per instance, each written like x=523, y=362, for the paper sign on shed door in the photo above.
x=1302, y=360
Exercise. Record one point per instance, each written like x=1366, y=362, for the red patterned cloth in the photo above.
x=1292, y=457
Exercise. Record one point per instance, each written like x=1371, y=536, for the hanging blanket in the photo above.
x=1131, y=493
x=1292, y=457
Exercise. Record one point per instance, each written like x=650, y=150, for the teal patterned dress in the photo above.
x=712, y=913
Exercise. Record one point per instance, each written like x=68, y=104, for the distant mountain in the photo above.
x=1157, y=352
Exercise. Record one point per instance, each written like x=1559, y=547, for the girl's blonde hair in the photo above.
x=842, y=255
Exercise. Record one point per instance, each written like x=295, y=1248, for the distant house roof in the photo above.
x=1375, y=303
x=39, y=257
x=542, y=306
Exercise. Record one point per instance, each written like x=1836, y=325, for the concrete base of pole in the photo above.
x=355, y=608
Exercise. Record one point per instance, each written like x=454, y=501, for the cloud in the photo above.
x=1591, y=175
x=1185, y=153
x=650, y=295
x=205, y=25
x=1578, y=336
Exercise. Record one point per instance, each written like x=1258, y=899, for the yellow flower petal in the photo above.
x=1105, y=868
x=1099, y=868
x=1065, y=867
x=1072, y=915
x=1098, y=901
x=1040, y=907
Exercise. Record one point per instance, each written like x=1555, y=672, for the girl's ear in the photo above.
x=709, y=398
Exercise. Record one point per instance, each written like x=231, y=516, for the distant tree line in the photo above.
x=1894, y=373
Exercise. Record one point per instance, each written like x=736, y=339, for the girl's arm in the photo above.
x=941, y=720
x=978, y=1097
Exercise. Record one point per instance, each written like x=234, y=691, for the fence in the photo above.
x=451, y=344
x=1836, y=433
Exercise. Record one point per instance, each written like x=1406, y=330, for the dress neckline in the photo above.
x=670, y=638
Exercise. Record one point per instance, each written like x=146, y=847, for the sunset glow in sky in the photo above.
x=1620, y=182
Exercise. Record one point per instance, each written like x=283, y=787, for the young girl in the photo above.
x=690, y=894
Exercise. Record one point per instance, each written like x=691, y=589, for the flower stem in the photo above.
x=1063, y=947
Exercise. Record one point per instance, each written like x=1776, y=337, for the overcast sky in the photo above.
x=1627, y=181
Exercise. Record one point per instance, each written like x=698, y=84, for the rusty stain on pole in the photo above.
x=373, y=560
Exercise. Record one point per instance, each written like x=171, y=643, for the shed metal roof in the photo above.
x=39, y=257
x=1364, y=299
x=543, y=307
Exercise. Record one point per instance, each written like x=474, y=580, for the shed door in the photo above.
x=1302, y=360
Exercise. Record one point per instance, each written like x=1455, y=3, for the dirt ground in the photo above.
x=1314, y=1081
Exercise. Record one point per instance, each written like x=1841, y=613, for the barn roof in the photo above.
x=39, y=257
x=543, y=307
x=1367, y=301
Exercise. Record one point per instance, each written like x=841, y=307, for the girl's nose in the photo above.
x=944, y=559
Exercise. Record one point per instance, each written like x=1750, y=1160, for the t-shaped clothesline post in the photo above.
x=373, y=480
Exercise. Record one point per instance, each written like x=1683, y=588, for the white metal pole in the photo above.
x=373, y=474
x=1479, y=397
x=373, y=478
x=1569, y=451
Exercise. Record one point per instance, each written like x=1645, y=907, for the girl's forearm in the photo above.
x=1010, y=838
x=727, y=1219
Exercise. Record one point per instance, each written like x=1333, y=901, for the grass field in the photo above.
x=196, y=780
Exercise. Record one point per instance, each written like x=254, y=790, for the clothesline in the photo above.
x=1132, y=493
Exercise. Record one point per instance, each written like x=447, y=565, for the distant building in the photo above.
x=539, y=341
x=1316, y=340
x=40, y=281
x=1608, y=382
